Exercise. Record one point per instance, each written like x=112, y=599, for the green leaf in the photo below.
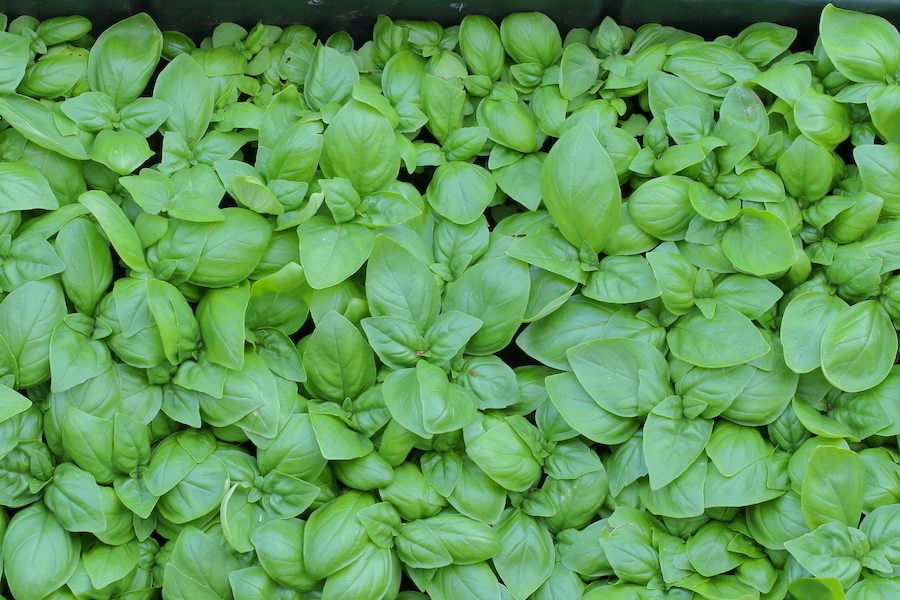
x=446, y=539
x=884, y=112
x=107, y=564
x=124, y=58
x=144, y=116
x=443, y=102
x=88, y=441
x=502, y=447
x=12, y=403
x=23, y=187
x=709, y=549
x=425, y=402
x=74, y=356
x=131, y=443
x=123, y=151
x=578, y=70
x=465, y=143
x=337, y=441
x=684, y=497
x=330, y=78
x=334, y=537
x=360, y=146
x=880, y=527
x=858, y=347
x=622, y=280
x=549, y=250
x=580, y=189
x=74, y=498
x=801, y=334
x=878, y=172
x=118, y=229
x=376, y=571
x=481, y=46
x=832, y=489
x=28, y=316
x=496, y=292
x=521, y=180
x=239, y=516
x=476, y=581
x=626, y=377
x=509, y=122
x=339, y=362
x=774, y=522
x=831, y=550
x=221, y=315
x=807, y=169
x=763, y=42
x=822, y=119
x=527, y=554
x=276, y=300
x=15, y=54
x=759, y=243
x=39, y=554
x=30, y=257
x=178, y=329
x=398, y=284
x=585, y=416
x=396, y=341
x=667, y=427
x=460, y=191
x=331, y=252
x=88, y=263
x=530, y=37
x=825, y=588
x=279, y=549
x=732, y=448
x=245, y=185
x=199, y=566
x=448, y=334
x=662, y=207
x=877, y=55
x=36, y=122
x=184, y=86
x=627, y=543
x=728, y=338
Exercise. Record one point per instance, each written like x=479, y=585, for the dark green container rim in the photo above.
x=197, y=18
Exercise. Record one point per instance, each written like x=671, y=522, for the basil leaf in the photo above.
x=859, y=334
x=124, y=57
x=586, y=209
x=40, y=555
x=873, y=61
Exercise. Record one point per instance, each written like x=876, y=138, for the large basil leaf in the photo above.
x=527, y=554
x=28, y=316
x=23, y=187
x=184, y=86
x=339, y=362
x=626, y=377
x=727, y=338
x=876, y=58
x=39, y=554
x=360, y=145
x=580, y=189
x=859, y=335
x=496, y=292
x=124, y=57
x=832, y=489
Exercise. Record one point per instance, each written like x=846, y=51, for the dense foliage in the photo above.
x=461, y=312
